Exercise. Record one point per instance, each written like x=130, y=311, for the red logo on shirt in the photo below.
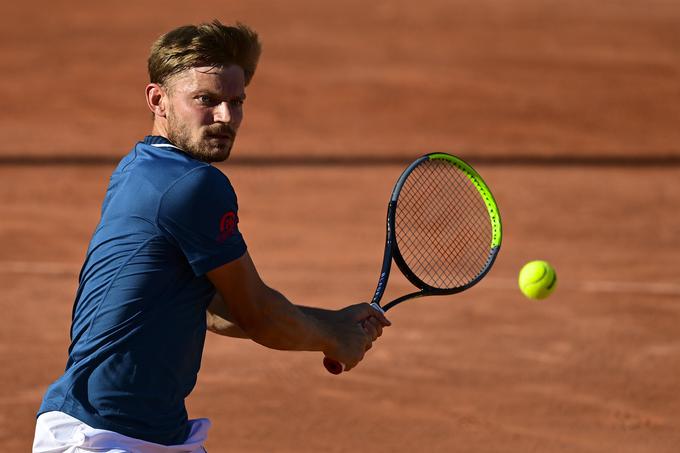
x=227, y=226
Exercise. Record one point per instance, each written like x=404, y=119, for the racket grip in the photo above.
x=335, y=367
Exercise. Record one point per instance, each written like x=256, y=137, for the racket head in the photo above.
x=445, y=223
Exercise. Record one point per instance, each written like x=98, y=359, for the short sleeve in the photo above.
x=199, y=213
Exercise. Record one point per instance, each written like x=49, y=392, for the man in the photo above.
x=166, y=252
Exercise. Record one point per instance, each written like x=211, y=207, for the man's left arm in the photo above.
x=220, y=321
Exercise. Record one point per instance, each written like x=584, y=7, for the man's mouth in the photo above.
x=224, y=134
x=220, y=136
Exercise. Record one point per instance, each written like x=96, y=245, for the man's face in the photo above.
x=205, y=109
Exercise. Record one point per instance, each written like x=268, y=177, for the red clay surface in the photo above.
x=592, y=369
x=355, y=77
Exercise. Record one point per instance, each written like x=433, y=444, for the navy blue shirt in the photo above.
x=139, y=318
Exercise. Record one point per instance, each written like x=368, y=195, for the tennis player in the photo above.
x=168, y=261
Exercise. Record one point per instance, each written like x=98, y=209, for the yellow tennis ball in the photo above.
x=537, y=279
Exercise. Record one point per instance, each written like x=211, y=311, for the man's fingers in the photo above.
x=372, y=328
x=380, y=316
x=364, y=311
x=376, y=324
x=349, y=366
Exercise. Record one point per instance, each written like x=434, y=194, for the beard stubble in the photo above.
x=180, y=135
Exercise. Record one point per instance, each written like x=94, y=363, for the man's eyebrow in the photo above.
x=216, y=93
x=204, y=91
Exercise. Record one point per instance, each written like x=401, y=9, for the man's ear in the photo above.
x=156, y=99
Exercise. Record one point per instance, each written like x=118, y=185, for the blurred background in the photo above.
x=354, y=78
x=569, y=109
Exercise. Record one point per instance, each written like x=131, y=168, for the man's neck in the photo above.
x=159, y=129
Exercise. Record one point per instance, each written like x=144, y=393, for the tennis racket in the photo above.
x=443, y=231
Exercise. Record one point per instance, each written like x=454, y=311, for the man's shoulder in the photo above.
x=165, y=164
x=200, y=180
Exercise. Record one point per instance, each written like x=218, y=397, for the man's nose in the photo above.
x=221, y=113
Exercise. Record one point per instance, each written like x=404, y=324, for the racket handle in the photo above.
x=335, y=367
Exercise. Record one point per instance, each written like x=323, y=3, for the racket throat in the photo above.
x=403, y=298
x=382, y=282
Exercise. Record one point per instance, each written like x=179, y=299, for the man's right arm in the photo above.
x=267, y=317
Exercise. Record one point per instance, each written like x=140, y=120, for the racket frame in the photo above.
x=392, y=251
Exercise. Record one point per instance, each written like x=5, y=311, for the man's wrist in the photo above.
x=327, y=338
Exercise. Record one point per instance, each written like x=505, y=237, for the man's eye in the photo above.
x=205, y=100
x=236, y=102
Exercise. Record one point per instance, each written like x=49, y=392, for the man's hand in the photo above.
x=354, y=328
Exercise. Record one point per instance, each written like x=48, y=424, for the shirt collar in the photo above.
x=160, y=142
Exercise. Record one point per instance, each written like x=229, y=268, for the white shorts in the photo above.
x=56, y=432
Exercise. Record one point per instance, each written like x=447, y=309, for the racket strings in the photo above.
x=442, y=225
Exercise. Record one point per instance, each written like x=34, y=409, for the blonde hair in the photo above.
x=210, y=44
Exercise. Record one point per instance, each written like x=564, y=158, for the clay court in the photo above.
x=569, y=110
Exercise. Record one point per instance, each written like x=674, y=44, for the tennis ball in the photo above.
x=537, y=279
